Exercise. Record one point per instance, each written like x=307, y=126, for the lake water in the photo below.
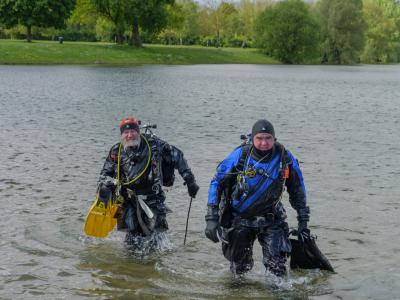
x=57, y=124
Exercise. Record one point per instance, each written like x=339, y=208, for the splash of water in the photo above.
x=290, y=282
x=156, y=243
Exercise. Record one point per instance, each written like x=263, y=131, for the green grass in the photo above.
x=46, y=52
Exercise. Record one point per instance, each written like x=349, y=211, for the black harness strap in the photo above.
x=228, y=182
x=245, y=151
x=155, y=165
x=282, y=166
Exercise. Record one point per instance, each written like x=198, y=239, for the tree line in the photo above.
x=292, y=31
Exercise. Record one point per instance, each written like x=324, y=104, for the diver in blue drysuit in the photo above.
x=244, y=202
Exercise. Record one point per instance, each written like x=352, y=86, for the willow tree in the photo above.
x=343, y=30
x=383, y=34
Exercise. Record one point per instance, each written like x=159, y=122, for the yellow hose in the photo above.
x=142, y=172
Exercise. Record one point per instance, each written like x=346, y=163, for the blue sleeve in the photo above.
x=295, y=184
x=223, y=169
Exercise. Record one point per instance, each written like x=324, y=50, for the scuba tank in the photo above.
x=166, y=170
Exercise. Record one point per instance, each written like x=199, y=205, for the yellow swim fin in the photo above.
x=100, y=220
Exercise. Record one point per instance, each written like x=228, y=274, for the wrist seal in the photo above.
x=303, y=214
x=212, y=213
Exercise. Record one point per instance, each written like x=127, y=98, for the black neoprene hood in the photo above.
x=262, y=126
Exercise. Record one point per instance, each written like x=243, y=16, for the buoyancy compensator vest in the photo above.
x=260, y=198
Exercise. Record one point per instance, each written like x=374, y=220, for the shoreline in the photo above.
x=20, y=52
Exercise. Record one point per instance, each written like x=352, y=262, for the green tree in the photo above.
x=205, y=24
x=383, y=33
x=134, y=15
x=82, y=23
x=232, y=26
x=220, y=18
x=287, y=32
x=392, y=10
x=44, y=13
x=105, y=30
x=342, y=30
x=248, y=12
x=151, y=16
x=85, y=13
x=175, y=20
x=379, y=34
x=182, y=23
x=190, y=30
x=113, y=10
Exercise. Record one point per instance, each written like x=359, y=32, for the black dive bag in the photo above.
x=306, y=255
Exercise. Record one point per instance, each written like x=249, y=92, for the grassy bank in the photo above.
x=45, y=52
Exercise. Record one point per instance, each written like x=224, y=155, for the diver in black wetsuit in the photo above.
x=137, y=168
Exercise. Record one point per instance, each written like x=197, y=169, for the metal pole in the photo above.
x=187, y=220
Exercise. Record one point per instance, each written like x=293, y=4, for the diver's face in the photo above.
x=130, y=138
x=263, y=141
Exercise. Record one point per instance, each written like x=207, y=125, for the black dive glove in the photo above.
x=303, y=217
x=192, y=186
x=193, y=189
x=213, y=226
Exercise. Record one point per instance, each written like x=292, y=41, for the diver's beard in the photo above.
x=130, y=143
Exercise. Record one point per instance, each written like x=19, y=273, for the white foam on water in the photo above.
x=156, y=243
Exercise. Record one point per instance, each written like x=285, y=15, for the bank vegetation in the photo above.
x=291, y=31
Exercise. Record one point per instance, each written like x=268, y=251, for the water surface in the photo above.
x=58, y=123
